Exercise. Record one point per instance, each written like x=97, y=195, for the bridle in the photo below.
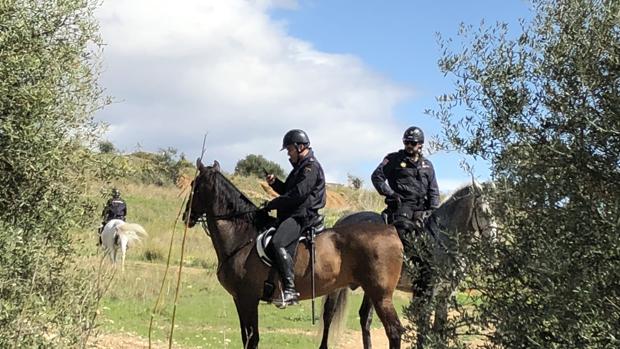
x=202, y=219
x=475, y=220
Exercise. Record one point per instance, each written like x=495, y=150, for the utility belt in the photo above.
x=406, y=218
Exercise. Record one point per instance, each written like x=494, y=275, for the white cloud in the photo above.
x=180, y=69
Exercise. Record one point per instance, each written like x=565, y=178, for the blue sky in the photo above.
x=399, y=39
x=354, y=74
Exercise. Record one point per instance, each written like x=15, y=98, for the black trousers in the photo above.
x=417, y=247
x=287, y=235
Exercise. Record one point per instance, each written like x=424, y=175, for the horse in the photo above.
x=119, y=234
x=454, y=224
x=366, y=254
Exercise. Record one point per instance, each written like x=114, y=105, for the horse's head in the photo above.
x=469, y=210
x=482, y=214
x=202, y=185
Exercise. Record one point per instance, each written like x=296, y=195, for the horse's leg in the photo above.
x=329, y=308
x=365, y=314
x=445, y=294
x=421, y=308
x=441, y=314
x=423, y=290
x=247, y=309
x=386, y=312
x=334, y=313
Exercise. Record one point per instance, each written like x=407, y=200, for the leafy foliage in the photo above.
x=257, y=165
x=48, y=92
x=107, y=147
x=543, y=108
x=354, y=181
x=161, y=168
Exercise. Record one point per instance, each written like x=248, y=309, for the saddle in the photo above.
x=263, y=244
x=263, y=241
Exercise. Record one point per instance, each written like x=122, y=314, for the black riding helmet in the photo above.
x=295, y=137
x=116, y=193
x=414, y=134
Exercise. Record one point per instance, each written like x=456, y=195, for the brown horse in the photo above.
x=463, y=216
x=367, y=255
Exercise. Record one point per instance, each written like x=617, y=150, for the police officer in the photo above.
x=407, y=180
x=115, y=208
x=301, y=197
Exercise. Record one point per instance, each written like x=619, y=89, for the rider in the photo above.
x=115, y=208
x=407, y=180
x=301, y=197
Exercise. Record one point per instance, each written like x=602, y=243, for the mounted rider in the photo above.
x=302, y=195
x=407, y=180
x=115, y=208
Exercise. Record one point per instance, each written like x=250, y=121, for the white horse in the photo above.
x=119, y=234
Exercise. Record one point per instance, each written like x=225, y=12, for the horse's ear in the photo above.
x=216, y=165
x=199, y=165
x=477, y=187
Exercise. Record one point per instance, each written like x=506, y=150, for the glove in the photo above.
x=427, y=214
x=394, y=200
x=265, y=207
x=420, y=218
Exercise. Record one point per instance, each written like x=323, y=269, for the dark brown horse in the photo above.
x=367, y=255
x=460, y=218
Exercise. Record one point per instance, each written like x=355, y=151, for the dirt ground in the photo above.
x=349, y=340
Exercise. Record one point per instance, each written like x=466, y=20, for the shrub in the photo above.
x=257, y=165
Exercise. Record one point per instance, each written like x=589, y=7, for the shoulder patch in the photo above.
x=385, y=162
x=308, y=168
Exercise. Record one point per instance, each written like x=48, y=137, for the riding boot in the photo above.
x=285, y=266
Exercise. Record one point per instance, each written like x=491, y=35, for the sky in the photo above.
x=352, y=74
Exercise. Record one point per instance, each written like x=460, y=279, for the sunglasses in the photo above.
x=411, y=143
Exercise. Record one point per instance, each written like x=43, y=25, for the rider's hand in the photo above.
x=270, y=178
x=394, y=199
x=428, y=213
x=264, y=207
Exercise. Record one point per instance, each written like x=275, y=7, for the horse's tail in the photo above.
x=132, y=231
x=337, y=326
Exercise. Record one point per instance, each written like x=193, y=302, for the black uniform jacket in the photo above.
x=303, y=192
x=414, y=181
x=115, y=209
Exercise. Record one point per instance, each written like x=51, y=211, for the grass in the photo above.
x=206, y=316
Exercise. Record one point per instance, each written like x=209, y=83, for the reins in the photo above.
x=236, y=250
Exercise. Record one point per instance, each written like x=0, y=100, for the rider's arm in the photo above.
x=433, y=190
x=104, y=213
x=278, y=186
x=379, y=178
x=306, y=180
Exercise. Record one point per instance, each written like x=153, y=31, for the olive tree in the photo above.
x=48, y=94
x=543, y=108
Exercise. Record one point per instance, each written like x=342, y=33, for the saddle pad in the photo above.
x=264, y=239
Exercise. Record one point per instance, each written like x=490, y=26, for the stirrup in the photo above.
x=282, y=303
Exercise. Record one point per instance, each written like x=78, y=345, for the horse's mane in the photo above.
x=240, y=202
x=460, y=192
x=224, y=187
